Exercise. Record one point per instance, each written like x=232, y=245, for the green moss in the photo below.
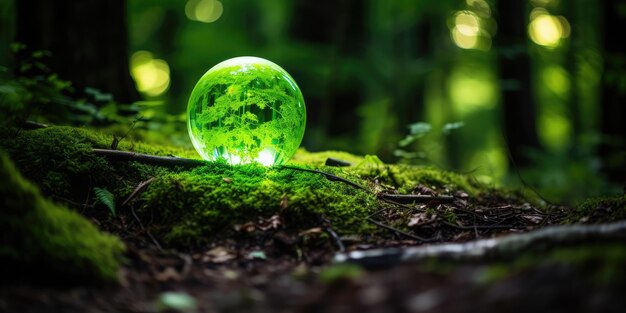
x=599, y=210
x=43, y=239
x=206, y=199
x=187, y=207
x=404, y=177
x=60, y=160
x=304, y=157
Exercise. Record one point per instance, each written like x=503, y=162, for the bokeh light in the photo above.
x=480, y=7
x=206, y=11
x=152, y=76
x=466, y=30
x=473, y=28
x=547, y=30
x=472, y=89
x=556, y=79
x=554, y=130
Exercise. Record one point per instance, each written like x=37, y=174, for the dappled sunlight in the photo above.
x=152, y=76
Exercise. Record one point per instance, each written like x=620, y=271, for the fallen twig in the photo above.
x=140, y=187
x=416, y=198
x=377, y=223
x=148, y=159
x=32, y=125
x=488, y=248
x=336, y=162
x=476, y=226
x=329, y=229
x=328, y=176
x=156, y=243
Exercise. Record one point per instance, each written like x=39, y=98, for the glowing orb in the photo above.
x=245, y=110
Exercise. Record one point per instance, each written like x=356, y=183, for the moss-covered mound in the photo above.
x=600, y=210
x=40, y=239
x=186, y=206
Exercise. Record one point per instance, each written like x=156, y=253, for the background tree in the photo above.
x=88, y=41
x=518, y=105
x=613, y=111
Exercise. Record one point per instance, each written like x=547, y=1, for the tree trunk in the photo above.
x=517, y=93
x=87, y=39
x=613, y=126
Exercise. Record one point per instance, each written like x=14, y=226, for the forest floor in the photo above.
x=268, y=264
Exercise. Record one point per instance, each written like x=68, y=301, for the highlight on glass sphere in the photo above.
x=245, y=110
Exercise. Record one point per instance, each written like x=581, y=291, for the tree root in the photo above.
x=501, y=247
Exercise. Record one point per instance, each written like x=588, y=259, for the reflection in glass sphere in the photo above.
x=245, y=110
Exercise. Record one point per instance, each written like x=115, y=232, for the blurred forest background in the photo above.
x=498, y=89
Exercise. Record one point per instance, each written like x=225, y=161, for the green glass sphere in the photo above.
x=245, y=110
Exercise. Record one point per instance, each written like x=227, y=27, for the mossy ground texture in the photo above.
x=187, y=207
x=47, y=239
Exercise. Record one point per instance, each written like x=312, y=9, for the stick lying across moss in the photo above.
x=148, y=159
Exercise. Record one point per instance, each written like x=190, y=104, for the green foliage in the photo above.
x=105, y=197
x=35, y=92
x=417, y=131
x=41, y=239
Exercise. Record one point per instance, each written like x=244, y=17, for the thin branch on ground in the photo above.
x=502, y=247
x=328, y=228
x=156, y=243
x=328, y=176
x=116, y=155
x=32, y=125
x=517, y=172
x=117, y=141
x=140, y=187
x=72, y=202
x=399, y=198
x=476, y=226
x=401, y=232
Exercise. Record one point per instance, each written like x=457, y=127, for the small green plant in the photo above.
x=417, y=131
x=106, y=198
